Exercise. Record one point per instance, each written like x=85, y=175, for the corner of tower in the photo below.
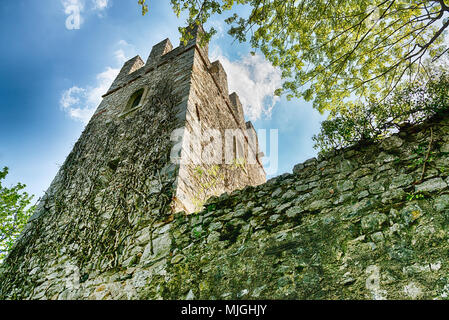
x=196, y=32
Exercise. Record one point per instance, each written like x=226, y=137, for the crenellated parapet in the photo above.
x=161, y=54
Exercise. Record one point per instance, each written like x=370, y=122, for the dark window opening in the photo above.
x=135, y=99
x=197, y=112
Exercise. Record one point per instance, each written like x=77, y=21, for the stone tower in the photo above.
x=165, y=138
x=212, y=149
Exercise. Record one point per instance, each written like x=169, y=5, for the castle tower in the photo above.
x=213, y=150
x=166, y=136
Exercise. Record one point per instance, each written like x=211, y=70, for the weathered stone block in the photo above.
x=432, y=185
x=373, y=222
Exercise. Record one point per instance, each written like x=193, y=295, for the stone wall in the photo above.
x=120, y=182
x=370, y=222
x=362, y=223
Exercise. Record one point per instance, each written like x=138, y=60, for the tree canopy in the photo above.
x=334, y=51
x=414, y=104
x=15, y=211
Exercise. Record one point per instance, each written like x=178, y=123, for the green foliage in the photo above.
x=422, y=156
x=196, y=234
x=443, y=170
x=415, y=103
x=15, y=211
x=334, y=51
x=415, y=196
x=144, y=6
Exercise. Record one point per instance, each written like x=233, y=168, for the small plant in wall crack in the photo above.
x=415, y=196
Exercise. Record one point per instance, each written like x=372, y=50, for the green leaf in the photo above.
x=15, y=210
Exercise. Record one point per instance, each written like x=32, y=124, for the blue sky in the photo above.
x=52, y=78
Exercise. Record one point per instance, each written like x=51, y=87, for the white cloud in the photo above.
x=254, y=79
x=100, y=4
x=71, y=102
x=219, y=26
x=81, y=103
x=124, y=51
x=123, y=43
x=120, y=56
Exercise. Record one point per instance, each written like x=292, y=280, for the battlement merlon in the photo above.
x=252, y=131
x=237, y=108
x=128, y=68
x=218, y=72
x=159, y=50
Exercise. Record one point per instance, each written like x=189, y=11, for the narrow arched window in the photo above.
x=197, y=110
x=135, y=100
